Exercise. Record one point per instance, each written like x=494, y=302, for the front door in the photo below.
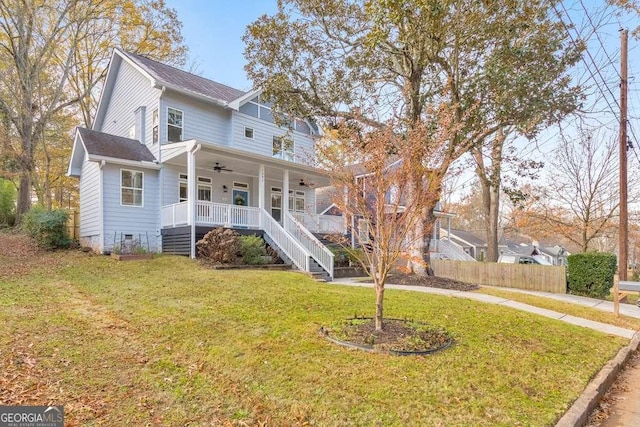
x=240, y=197
x=240, y=217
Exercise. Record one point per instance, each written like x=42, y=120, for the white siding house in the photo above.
x=172, y=154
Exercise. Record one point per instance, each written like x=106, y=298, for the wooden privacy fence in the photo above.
x=519, y=276
x=73, y=224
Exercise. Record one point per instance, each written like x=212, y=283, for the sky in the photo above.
x=213, y=31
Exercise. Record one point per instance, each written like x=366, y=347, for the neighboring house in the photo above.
x=326, y=208
x=553, y=253
x=172, y=155
x=469, y=242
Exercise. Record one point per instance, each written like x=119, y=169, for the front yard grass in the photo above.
x=168, y=342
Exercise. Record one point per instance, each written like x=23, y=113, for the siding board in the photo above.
x=131, y=90
x=139, y=221
x=90, y=199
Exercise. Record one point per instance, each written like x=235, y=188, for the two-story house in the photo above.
x=172, y=155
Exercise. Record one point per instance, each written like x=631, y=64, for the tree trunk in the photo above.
x=379, y=304
x=24, y=196
x=416, y=263
x=491, y=206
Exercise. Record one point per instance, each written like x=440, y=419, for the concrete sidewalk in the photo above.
x=626, y=309
x=626, y=410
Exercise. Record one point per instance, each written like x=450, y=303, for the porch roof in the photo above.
x=242, y=162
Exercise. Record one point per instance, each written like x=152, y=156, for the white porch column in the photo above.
x=261, y=192
x=285, y=193
x=192, y=194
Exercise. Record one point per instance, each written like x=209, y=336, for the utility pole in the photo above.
x=623, y=250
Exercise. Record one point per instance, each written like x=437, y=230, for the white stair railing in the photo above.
x=319, y=252
x=287, y=243
x=452, y=251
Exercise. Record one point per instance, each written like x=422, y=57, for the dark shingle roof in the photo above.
x=117, y=147
x=185, y=81
x=468, y=237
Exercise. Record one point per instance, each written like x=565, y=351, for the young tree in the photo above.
x=488, y=66
x=381, y=206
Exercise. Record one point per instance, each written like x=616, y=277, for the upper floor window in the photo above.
x=154, y=123
x=283, y=148
x=131, y=187
x=248, y=132
x=174, y=125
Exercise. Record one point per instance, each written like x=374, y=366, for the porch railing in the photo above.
x=287, y=243
x=322, y=255
x=321, y=223
x=175, y=214
x=227, y=215
x=208, y=213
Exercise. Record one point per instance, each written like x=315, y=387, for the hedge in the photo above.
x=591, y=273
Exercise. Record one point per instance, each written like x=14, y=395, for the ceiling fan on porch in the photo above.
x=219, y=168
x=304, y=183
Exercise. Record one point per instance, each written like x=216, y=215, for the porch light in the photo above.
x=224, y=188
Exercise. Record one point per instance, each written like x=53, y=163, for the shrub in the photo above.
x=591, y=273
x=253, y=250
x=7, y=203
x=48, y=228
x=220, y=245
x=345, y=257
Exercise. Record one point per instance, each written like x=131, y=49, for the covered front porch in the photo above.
x=207, y=185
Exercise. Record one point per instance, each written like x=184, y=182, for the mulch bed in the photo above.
x=430, y=281
x=401, y=337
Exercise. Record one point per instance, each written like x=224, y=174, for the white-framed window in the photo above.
x=248, y=133
x=204, y=193
x=276, y=203
x=183, y=194
x=296, y=200
x=204, y=189
x=363, y=231
x=131, y=187
x=155, y=119
x=174, y=125
x=283, y=148
x=240, y=185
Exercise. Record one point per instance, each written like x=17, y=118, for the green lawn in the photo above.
x=167, y=342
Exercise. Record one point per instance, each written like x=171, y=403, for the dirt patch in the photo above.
x=19, y=254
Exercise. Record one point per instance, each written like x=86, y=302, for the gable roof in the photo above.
x=182, y=81
x=467, y=237
x=98, y=146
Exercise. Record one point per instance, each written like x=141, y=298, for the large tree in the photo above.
x=46, y=73
x=484, y=66
x=580, y=199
